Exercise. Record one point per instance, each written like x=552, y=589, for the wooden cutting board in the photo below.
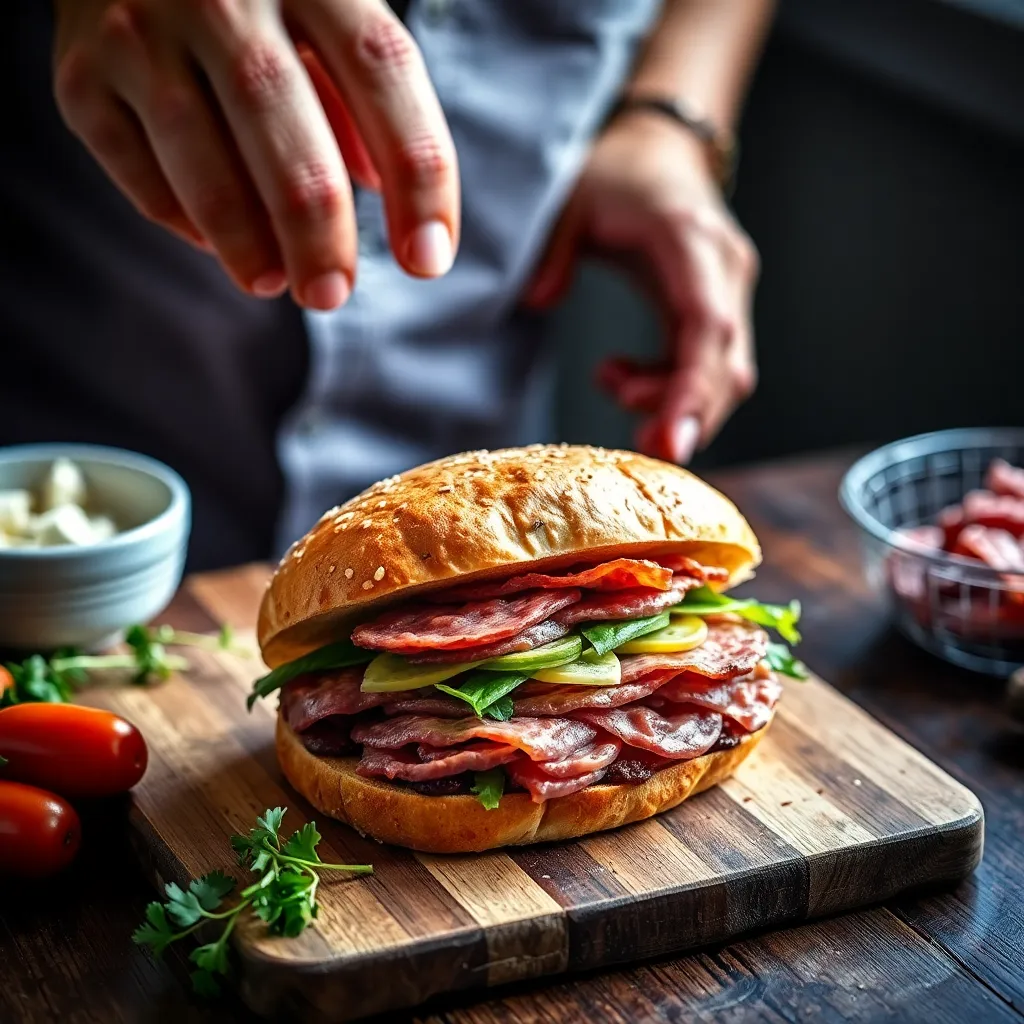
x=833, y=811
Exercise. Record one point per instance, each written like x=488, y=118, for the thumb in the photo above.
x=554, y=274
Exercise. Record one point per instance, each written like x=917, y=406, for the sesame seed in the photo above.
x=379, y=574
x=382, y=504
x=445, y=489
x=367, y=524
x=367, y=584
x=331, y=568
x=349, y=574
x=540, y=475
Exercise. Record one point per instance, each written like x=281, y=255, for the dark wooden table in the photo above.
x=950, y=956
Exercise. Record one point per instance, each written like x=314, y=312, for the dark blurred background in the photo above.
x=882, y=179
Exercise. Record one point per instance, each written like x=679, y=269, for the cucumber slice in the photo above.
x=590, y=670
x=558, y=652
x=682, y=634
x=388, y=672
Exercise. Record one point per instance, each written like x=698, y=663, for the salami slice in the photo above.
x=622, y=604
x=747, y=701
x=598, y=754
x=309, y=699
x=691, y=567
x=681, y=734
x=446, y=627
x=527, y=640
x=549, y=699
x=541, y=786
x=731, y=649
x=405, y=764
x=1005, y=479
x=619, y=574
x=542, y=739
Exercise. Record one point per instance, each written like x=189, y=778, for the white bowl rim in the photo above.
x=177, y=508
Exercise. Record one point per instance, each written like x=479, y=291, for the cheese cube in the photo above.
x=65, y=524
x=15, y=510
x=64, y=485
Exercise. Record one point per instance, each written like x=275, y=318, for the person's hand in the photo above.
x=238, y=123
x=647, y=200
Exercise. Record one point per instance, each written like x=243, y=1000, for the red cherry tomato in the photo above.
x=39, y=832
x=6, y=680
x=73, y=750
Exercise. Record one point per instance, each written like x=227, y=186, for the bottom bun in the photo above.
x=394, y=813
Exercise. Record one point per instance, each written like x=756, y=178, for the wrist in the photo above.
x=715, y=148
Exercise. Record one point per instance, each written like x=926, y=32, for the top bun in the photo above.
x=483, y=514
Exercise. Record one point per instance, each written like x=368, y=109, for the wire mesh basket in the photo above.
x=962, y=610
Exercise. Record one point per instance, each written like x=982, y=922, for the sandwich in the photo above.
x=519, y=646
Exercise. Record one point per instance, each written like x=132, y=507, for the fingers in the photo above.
x=384, y=82
x=353, y=149
x=554, y=275
x=287, y=144
x=118, y=141
x=196, y=153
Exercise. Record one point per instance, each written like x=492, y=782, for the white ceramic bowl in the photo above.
x=84, y=596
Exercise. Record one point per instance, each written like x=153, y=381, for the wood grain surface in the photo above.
x=948, y=955
x=831, y=812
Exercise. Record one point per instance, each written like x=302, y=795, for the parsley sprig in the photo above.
x=284, y=896
x=54, y=680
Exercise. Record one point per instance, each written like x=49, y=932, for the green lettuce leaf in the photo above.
x=487, y=692
x=780, y=617
x=606, y=636
x=343, y=654
x=780, y=658
x=488, y=787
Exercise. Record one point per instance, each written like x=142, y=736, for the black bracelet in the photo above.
x=723, y=152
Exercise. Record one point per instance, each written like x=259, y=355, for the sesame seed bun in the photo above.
x=484, y=514
x=461, y=824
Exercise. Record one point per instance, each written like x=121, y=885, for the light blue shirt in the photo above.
x=412, y=370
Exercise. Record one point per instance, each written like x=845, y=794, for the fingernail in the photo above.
x=685, y=435
x=328, y=291
x=269, y=285
x=429, y=249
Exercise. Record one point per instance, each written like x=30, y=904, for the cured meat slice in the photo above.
x=598, y=754
x=691, y=567
x=426, y=701
x=1005, y=479
x=618, y=574
x=748, y=700
x=999, y=511
x=623, y=604
x=309, y=699
x=550, y=699
x=527, y=640
x=405, y=764
x=443, y=627
x=541, y=786
x=731, y=649
x=542, y=739
x=681, y=734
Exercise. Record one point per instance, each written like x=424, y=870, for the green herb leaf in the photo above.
x=156, y=932
x=183, y=907
x=3, y=760
x=483, y=689
x=606, y=636
x=211, y=889
x=501, y=710
x=303, y=843
x=780, y=658
x=780, y=617
x=212, y=958
x=488, y=787
x=340, y=655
